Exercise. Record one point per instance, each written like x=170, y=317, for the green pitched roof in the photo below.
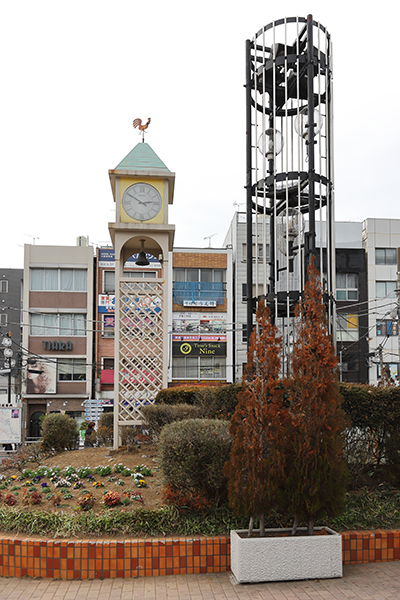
x=142, y=158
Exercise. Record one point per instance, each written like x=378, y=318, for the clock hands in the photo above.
x=137, y=199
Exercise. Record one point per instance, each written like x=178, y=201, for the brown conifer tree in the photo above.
x=315, y=470
x=254, y=470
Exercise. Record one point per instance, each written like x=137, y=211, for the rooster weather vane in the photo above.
x=142, y=128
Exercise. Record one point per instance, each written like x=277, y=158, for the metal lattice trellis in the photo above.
x=140, y=378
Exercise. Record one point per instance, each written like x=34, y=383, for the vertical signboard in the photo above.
x=10, y=425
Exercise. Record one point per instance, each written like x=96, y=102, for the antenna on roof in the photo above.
x=34, y=238
x=208, y=237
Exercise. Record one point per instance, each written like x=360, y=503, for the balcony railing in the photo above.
x=199, y=293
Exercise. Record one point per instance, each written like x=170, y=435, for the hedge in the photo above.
x=214, y=401
x=375, y=422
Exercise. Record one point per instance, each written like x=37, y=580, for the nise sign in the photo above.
x=185, y=348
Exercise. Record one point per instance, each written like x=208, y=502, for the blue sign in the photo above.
x=107, y=259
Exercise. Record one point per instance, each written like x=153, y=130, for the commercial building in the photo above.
x=381, y=240
x=57, y=331
x=351, y=324
x=351, y=290
x=201, y=324
x=236, y=241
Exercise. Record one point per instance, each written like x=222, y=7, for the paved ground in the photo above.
x=376, y=581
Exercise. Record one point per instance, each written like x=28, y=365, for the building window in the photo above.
x=199, y=367
x=386, y=327
x=108, y=364
x=109, y=278
x=205, y=275
x=385, y=256
x=393, y=368
x=4, y=286
x=244, y=333
x=140, y=274
x=72, y=369
x=58, y=280
x=199, y=287
x=350, y=363
x=384, y=288
x=260, y=254
x=108, y=326
x=108, y=282
x=55, y=325
x=346, y=286
x=347, y=327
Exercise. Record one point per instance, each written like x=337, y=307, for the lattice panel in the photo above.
x=141, y=317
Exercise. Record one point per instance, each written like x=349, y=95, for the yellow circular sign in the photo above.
x=185, y=348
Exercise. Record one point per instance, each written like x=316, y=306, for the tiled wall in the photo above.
x=143, y=558
x=370, y=546
x=102, y=559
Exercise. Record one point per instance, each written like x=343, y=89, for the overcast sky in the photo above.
x=75, y=74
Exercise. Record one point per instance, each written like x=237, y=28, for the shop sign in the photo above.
x=107, y=260
x=197, y=322
x=200, y=303
x=106, y=303
x=60, y=346
x=186, y=348
x=109, y=323
x=198, y=338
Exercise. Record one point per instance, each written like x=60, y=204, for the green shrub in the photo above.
x=374, y=412
x=128, y=435
x=214, y=401
x=392, y=451
x=105, y=430
x=226, y=399
x=192, y=456
x=59, y=432
x=184, y=394
x=159, y=415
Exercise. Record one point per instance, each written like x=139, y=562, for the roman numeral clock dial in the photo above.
x=141, y=201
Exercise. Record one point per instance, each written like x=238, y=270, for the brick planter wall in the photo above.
x=96, y=559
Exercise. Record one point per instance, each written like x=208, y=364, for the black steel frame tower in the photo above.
x=289, y=180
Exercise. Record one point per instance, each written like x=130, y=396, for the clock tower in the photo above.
x=143, y=188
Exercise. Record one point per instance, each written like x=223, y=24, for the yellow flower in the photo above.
x=13, y=477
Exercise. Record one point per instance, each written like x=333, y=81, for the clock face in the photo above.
x=141, y=201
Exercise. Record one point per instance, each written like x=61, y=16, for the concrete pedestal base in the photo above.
x=286, y=557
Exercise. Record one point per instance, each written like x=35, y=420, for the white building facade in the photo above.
x=381, y=240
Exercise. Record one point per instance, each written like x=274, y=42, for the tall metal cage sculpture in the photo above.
x=289, y=159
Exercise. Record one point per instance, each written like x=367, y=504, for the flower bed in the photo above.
x=60, y=483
